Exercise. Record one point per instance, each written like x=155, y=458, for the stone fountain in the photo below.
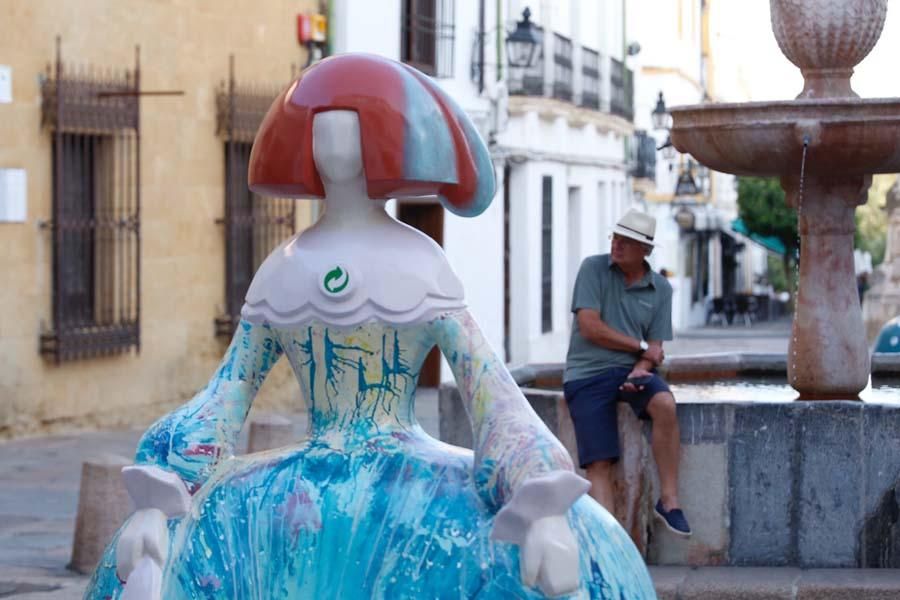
x=823, y=146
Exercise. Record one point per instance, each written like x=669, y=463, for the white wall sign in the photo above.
x=5, y=84
x=13, y=196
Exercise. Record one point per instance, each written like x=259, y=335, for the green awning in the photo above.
x=769, y=242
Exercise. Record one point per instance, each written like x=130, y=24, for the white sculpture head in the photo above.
x=337, y=150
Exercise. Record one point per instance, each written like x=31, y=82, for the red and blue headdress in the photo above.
x=416, y=140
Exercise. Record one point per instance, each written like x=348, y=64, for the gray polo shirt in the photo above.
x=642, y=310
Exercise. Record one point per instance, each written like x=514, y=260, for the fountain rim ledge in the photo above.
x=705, y=367
x=802, y=107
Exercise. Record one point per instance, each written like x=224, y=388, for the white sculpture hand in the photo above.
x=141, y=553
x=535, y=519
x=145, y=582
x=549, y=556
x=143, y=545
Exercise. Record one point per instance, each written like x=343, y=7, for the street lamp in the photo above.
x=668, y=149
x=522, y=44
x=661, y=117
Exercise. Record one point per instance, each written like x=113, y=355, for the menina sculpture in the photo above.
x=844, y=139
x=370, y=506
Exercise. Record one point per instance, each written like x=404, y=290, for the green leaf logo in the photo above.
x=336, y=280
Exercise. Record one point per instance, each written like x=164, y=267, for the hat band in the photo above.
x=649, y=237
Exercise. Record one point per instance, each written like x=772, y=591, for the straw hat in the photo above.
x=637, y=226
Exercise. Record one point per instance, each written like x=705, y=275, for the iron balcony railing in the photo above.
x=590, y=78
x=94, y=118
x=621, y=80
x=562, y=67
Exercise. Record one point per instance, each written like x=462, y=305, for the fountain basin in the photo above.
x=773, y=482
x=847, y=136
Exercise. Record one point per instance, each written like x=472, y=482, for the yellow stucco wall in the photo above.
x=185, y=45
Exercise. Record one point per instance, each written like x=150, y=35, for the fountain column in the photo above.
x=827, y=356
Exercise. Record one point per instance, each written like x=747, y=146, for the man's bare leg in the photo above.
x=600, y=474
x=666, y=444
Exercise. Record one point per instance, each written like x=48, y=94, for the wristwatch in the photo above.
x=644, y=346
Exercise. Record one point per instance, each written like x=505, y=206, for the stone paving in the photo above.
x=39, y=480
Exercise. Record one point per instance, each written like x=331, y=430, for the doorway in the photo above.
x=427, y=217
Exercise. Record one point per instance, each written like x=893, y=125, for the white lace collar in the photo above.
x=384, y=271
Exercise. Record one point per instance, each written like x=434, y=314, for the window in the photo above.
x=562, y=67
x=426, y=36
x=253, y=225
x=95, y=223
x=547, y=255
x=590, y=78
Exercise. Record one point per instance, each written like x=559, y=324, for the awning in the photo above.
x=769, y=242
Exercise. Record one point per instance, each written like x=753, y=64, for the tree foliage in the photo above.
x=762, y=208
x=871, y=219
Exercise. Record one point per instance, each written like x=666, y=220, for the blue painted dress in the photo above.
x=369, y=506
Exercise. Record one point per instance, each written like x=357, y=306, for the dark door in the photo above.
x=429, y=219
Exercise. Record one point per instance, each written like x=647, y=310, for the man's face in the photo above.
x=627, y=252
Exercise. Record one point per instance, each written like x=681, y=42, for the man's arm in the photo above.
x=596, y=331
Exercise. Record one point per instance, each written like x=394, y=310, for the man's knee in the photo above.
x=662, y=407
x=599, y=468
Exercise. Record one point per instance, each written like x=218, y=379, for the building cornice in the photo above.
x=518, y=155
x=550, y=109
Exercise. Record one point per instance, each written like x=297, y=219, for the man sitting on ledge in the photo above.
x=623, y=313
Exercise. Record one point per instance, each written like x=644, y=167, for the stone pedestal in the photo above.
x=828, y=355
x=269, y=432
x=103, y=505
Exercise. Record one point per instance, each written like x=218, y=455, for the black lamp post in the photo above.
x=522, y=44
x=661, y=117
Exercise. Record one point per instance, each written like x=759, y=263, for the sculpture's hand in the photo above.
x=549, y=556
x=535, y=519
x=143, y=545
x=145, y=537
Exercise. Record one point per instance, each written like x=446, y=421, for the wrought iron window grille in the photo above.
x=562, y=67
x=253, y=225
x=590, y=78
x=94, y=118
x=622, y=90
x=427, y=33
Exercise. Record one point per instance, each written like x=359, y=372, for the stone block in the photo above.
x=103, y=505
x=761, y=472
x=454, y=425
x=849, y=584
x=703, y=491
x=632, y=486
x=268, y=432
x=703, y=422
x=833, y=473
x=879, y=535
x=667, y=580
x=732, y=583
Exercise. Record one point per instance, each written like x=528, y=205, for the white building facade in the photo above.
x=706, y=260
x=559, y=134
x=565, y=158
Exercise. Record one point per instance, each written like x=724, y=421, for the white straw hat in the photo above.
x=637, y=226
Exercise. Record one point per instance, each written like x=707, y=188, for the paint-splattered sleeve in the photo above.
x=191, y=439
x=510, y=441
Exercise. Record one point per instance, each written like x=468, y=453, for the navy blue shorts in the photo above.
x=592, y=404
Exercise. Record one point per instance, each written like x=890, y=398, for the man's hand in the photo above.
x=654, y=354
x=635, y=373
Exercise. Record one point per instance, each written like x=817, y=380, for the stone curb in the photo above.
x=758, y=583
